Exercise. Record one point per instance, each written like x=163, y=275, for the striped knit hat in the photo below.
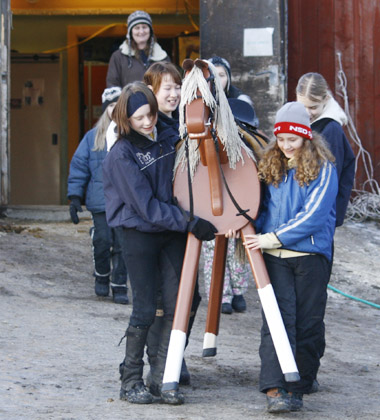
x=136, y=18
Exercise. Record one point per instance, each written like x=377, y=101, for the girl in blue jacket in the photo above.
x=138, y=173
x=86, y=180
x=297, y=224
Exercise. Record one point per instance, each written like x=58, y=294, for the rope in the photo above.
x=364, y=204
x=375, y=305
x=95, y=34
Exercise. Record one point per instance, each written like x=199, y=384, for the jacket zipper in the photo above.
x=312, y=239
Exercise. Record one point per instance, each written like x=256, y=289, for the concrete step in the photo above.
x=47, y=213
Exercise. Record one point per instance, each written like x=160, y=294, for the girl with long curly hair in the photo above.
x=296, y=225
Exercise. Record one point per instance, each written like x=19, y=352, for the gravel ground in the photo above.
x=59, y=351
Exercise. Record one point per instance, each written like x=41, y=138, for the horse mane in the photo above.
x=224, y=122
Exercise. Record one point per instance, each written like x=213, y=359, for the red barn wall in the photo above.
x=320, y=29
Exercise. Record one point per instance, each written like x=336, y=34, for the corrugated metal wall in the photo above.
x=317, y=31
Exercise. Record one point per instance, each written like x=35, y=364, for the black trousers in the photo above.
x=300, y=286
x=154, y=262
x=108, y=259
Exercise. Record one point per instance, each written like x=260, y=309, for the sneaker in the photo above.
x=278, y=401
x=102, y=286
x=238, y=303
x=120, y=295
x=227, y=308
x=296, y=401
x=138, y=394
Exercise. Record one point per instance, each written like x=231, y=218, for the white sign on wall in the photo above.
x=258, y=42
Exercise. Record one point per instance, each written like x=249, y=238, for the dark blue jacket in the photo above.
x=86, y=176
x=333, y=133
x=138, y=179
x=303, y=218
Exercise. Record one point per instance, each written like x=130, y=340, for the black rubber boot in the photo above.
x=157, y=370
x=120, y=294
x=102, y=286
x=131, y=370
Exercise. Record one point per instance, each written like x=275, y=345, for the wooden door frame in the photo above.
x=74, y=35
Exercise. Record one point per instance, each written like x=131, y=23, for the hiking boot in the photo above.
x=119, y=294
x=238, y=303
x=172, y=397
x=227, y=308
x=296, y=402
x=102, y=286
x=138, y=394
x=278, y=401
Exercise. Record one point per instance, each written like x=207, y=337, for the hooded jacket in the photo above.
x=303, y=218
x=86, y=176
x=329, y=125
x=125, y=68
x=138, y=174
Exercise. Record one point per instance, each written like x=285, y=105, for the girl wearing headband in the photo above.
x=138, y=174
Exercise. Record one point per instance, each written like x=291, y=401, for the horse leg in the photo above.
x=271, y=311
x=216, y=290
x=182, y=314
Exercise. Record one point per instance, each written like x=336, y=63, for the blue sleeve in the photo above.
x=320, y=199
x=135, y=191
x=80, y=174
x=345, y=166
x=262, y=211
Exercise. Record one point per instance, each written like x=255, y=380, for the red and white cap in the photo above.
x=293, y=118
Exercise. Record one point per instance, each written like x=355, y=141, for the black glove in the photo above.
x=75, y=206
x=202, y=229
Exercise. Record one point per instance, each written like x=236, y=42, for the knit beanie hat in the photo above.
x=293, y=118
x=109, y=96
x=219, y=61
x=136, y=18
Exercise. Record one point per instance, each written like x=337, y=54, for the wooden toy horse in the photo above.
x=216, y=178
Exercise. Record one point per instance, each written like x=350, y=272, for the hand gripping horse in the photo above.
x=216, y=178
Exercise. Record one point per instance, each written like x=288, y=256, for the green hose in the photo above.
x=375, y=305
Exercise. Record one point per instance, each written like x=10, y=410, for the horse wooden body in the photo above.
x=213, y=202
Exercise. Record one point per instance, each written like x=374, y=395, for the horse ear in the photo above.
x=201, y=64
x=188, y=64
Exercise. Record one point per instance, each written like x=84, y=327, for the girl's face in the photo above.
x=168, y=95
x=289, y=143
x=221, y=72
x=314, y=108
x=110, y=108
x=141, y=35
x=143, y=121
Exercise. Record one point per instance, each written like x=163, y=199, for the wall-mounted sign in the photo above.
x=258, y=42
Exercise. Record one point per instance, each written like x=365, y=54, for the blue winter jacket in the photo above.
x=138, y=178
x=303, y=218
x=86, y=177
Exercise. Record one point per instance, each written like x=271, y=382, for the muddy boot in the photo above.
x=131, y=370
x=119, y=294
x=152, y=342
x=173, y=397
x=102, y=286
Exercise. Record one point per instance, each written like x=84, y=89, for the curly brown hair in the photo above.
x=308, y=160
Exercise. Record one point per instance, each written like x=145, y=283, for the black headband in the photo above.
x=136, y=101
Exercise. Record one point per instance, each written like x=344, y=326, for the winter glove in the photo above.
x=75, y=206
x=269, y=241
x=202, y=229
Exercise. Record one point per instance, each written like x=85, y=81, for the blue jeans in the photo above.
x=154, y=263
x=107, y=251
x=300, y=286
